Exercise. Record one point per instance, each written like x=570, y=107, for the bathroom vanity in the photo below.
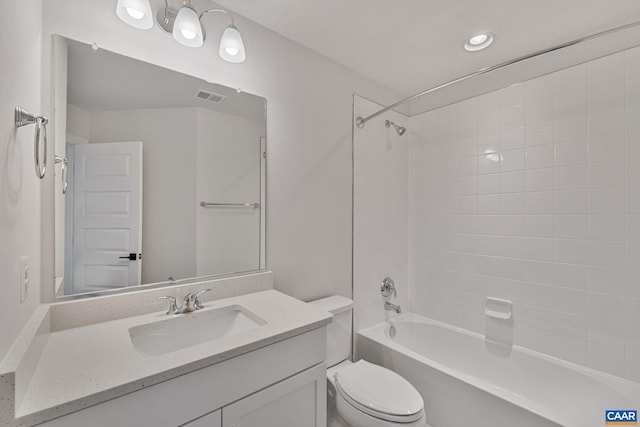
x=260, y=361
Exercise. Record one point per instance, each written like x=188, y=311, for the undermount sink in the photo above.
x=185, y=330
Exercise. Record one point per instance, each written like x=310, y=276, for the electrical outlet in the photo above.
x=24, y=278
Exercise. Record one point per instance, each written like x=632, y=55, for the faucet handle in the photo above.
x=173, y=304
x=197, y=301
x=388, y=288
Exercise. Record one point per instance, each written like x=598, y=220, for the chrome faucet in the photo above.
x=392, y=307
x=191, y=302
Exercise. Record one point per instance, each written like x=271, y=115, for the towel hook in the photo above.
x=65, y=171
x=24, y=118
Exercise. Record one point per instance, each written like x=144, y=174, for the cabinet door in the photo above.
x=213, y=419
x=299, y=401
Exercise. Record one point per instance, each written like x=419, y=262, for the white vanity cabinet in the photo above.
x=299, y=401
x=279, y=385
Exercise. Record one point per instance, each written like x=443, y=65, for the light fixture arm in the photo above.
x=217, y=10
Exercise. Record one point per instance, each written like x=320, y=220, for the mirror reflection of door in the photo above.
x=106, y=236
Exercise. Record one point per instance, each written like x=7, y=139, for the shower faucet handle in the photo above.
x=388, y=288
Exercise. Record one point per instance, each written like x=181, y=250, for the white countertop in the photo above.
x=86, y=365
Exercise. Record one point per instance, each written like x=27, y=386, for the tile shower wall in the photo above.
x=532, y=193
x=381, y=213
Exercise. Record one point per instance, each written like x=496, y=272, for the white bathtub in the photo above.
x=468, y=381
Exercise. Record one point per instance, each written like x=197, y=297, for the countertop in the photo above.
x=86, y=365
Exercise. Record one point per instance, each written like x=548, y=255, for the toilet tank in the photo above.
x=338, y=331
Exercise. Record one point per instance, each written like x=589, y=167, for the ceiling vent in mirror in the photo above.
x=209, y=96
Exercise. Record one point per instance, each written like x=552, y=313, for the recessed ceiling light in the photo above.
x=479, y=42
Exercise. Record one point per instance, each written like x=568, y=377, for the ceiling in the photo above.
x=411, y=45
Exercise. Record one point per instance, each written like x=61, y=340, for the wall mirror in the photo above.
x=165, y=174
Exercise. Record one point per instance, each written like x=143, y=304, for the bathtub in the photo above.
x=466, y=380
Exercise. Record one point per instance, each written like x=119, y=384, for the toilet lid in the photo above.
x=379, y=392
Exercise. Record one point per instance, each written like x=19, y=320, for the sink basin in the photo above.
x=185, y=330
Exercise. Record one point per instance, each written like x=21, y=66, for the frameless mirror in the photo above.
x=165, y=174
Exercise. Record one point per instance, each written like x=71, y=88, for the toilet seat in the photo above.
x=379, y=392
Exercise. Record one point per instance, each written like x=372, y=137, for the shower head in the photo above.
x=400, y=129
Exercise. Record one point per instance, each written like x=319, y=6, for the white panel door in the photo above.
x=299, y=401
x=107, y=211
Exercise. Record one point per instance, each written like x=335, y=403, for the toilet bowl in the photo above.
x=363, y=394
x=368, y=395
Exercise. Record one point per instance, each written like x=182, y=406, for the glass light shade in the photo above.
x=187, y=29
x=136, y=13
x=232, y=46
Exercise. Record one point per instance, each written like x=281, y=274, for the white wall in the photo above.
x=532, y=194
x=20, y=190
x=169, y=150
x=309, y=169
x=228, y=171
x=381, y=213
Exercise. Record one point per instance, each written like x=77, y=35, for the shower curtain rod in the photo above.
x=360, y=121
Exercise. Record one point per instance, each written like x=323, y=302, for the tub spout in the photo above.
x=392, y=307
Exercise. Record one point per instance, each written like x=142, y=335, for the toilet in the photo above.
x=363, y=394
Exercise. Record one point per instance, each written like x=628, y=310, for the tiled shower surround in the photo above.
x=532, y=194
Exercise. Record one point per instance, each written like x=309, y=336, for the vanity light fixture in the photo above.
x=185, y=26
x=136, y=13
x=479, y=42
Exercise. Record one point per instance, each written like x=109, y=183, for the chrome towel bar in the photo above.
x=24, y=118
x=230, y=205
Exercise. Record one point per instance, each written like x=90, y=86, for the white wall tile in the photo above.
x=572, y=276
x=540, y=225
x=609, y=147
x=606, y=69
x=571, y=226
x=606, y=96
x=607, y=201
x=539, y=203
x=569, y=128
x=513, y=182
x=571, y=177
x=571, y=152
x=605, y=359
x=570, y=103
x=571, y=325
x=538, y=134
x=571, y=251
x=534, y=196
x=512, y=160
x=540, y=157
x=571, y=202
x=539, y=179
x=609, y=307
x=607, y=254
x=571, y=79
x=572, y=301
x=632, y=62
x=606, y=121
x=606, y=227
